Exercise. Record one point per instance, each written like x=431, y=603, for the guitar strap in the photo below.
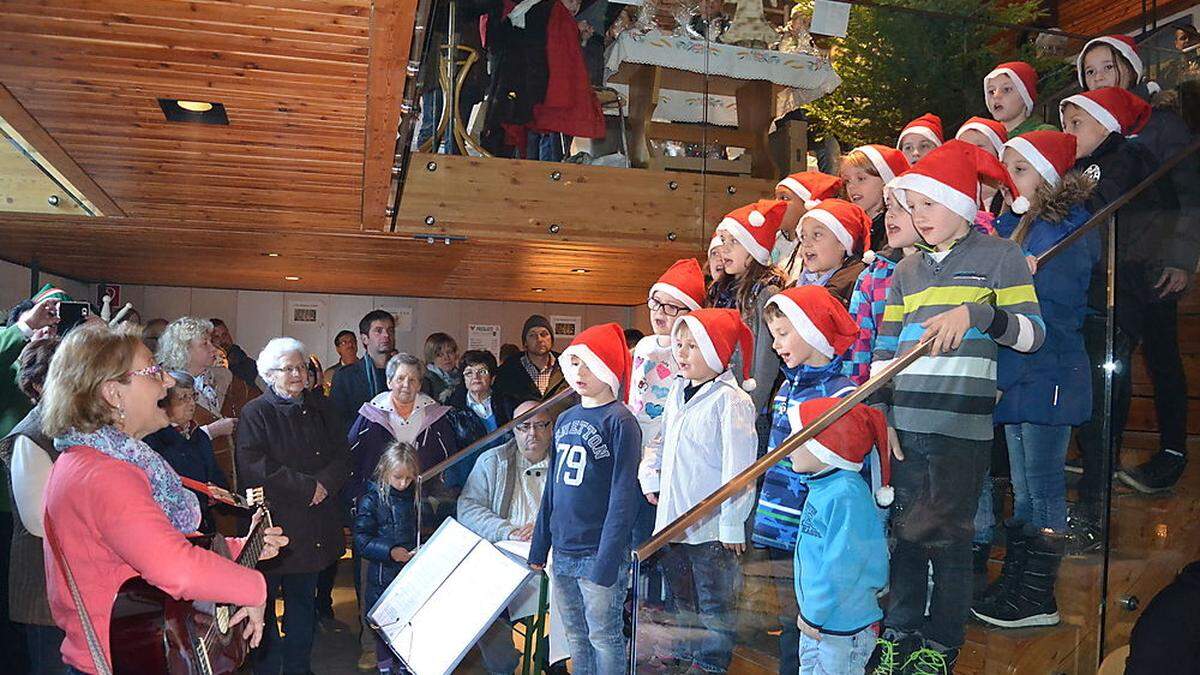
x=89, y=631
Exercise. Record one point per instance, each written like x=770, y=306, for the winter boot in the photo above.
x=1031, y=603
x=1014, y=564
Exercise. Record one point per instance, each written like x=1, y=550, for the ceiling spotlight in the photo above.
x=203, y=112
x=271, y=254
x=291, y=278
x=538, y=290
x=195, y=106
x=580, y=270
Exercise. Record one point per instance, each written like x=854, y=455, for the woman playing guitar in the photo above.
x=114, y=509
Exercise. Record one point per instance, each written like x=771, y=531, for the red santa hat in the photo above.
x=927, y=125
x=1124, y=45
x=847, y=221
x=888, y=162
x=714, y=242
x=755, y=225
x=1118, y=110
x=818, y=317
x=604, y=351
x=1051, y=153
x=1024, y=79
x=812, y=186
x=848, y=442
x=992, y=130
x=683, y=281
x=953, y=178
x=717, y=333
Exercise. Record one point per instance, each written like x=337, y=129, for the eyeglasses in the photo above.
x=291, y=370
x=665, y=308
x=526, y=427
x=476, y=372
x=155, y=372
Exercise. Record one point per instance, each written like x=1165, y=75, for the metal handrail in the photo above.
x=562, y=397
x=751, y=473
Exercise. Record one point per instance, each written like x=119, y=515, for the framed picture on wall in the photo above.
x=566, y=327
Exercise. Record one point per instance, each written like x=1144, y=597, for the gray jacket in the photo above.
x=485, y=503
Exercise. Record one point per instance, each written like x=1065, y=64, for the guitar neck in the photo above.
x=248, y=557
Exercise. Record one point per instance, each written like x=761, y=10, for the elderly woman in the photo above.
x=402, y=414
x=28, y=454
x=114, y=509
x=289, y=441
x=442, y=376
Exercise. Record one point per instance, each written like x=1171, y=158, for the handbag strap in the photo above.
x=89, y=631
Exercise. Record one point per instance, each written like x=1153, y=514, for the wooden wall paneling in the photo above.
x=58, y=163
x=391, y=32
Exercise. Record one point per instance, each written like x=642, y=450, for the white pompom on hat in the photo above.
x=1051, y=153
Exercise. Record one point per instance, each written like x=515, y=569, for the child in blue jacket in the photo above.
x=385, y=530
x=1047, y=392
x=841, y=558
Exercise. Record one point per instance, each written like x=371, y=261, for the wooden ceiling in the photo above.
x=312, y=90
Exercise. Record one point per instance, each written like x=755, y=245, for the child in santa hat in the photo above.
x=869, y=296
x=1047, y=392
x=920, y=136
x=811, y=331
x=802, y=191
x=591, y=500
x=989, y=136
x=708, y=438
x=747, y=235
x=967, y=294
x=718, y=292
x=865, y=170
x=677, y=292
x=841, y=560
x=1010, y=93
x=833, y=240
x=1167, y=248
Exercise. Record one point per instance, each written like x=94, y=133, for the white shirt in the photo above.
x=405, y=430
x=484, y=409
x=30, y=475
x=706, y=442
x=654, y=371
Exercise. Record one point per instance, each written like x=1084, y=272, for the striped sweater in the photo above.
x=954, y=394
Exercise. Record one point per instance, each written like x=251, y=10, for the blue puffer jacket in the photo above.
x=1052, y=386
x=380, y=525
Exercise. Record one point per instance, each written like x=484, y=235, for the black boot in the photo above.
x=1032, y=602
x=1014, y=564
x=980, y=553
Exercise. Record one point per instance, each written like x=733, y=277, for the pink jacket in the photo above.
x=110, y=529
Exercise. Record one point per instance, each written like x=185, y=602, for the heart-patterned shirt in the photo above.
x=654, y=371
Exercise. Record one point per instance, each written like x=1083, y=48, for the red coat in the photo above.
x=570, y=106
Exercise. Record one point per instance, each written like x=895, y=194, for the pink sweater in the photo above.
x=110, y=529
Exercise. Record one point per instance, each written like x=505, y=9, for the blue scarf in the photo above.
x=180, y=505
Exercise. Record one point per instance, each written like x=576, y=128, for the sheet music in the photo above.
x=445, y=597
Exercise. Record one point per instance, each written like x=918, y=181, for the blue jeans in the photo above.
x=782, y=573
x=837, y=654
x=707, y=614
x=1036, y=455
x=496, y=647
x=546, y=147
x=45, y=649
x=593, y=618
x=292, y=652
x=985, y=515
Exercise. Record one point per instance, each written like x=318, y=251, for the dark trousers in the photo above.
x=325, y=582
x=45, y=649
x=707, y=615
x=783, y=577
x=937, y=492
x=12, y=638
x=292, y=652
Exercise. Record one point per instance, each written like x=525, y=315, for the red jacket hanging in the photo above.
x=570, y=105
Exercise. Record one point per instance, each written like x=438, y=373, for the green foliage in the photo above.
x=897, y=65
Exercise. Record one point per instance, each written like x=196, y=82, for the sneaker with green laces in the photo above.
x=930, y=661
x=892, y=649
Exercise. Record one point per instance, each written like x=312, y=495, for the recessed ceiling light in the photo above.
x=195, y=106
x=271, y=254
x=292, y=278
x=203, y=112
x=538, y=290
x=580, y=270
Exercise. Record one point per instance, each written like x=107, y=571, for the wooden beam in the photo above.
x=58, y=162
x=390, y=41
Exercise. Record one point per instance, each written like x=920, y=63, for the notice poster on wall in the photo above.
x=309, y=313
x=565, y=327
x=830, y=18
x=402, y=313
x=484, y=336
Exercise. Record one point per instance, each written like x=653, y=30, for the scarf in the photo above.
x=180, y=505
x=206, y=394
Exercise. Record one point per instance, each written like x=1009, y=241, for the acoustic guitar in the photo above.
x=152, y=633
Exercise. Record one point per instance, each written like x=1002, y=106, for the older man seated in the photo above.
x=500, y=501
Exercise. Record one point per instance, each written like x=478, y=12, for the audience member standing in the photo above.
x=355, y=385
x=536, y=374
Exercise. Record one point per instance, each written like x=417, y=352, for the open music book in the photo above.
x=445, y=598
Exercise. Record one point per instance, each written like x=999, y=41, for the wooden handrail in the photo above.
x=436, y=470
x=751, y=473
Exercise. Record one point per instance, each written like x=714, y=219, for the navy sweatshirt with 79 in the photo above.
x=590, y=502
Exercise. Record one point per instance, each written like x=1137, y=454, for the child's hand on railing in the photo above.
x=947, y=329
x=652, y=497
x=1031, y=260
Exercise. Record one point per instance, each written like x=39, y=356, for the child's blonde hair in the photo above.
x=395, y=456
x=857, y=159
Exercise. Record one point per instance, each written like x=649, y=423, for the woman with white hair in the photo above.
x=289, y=441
